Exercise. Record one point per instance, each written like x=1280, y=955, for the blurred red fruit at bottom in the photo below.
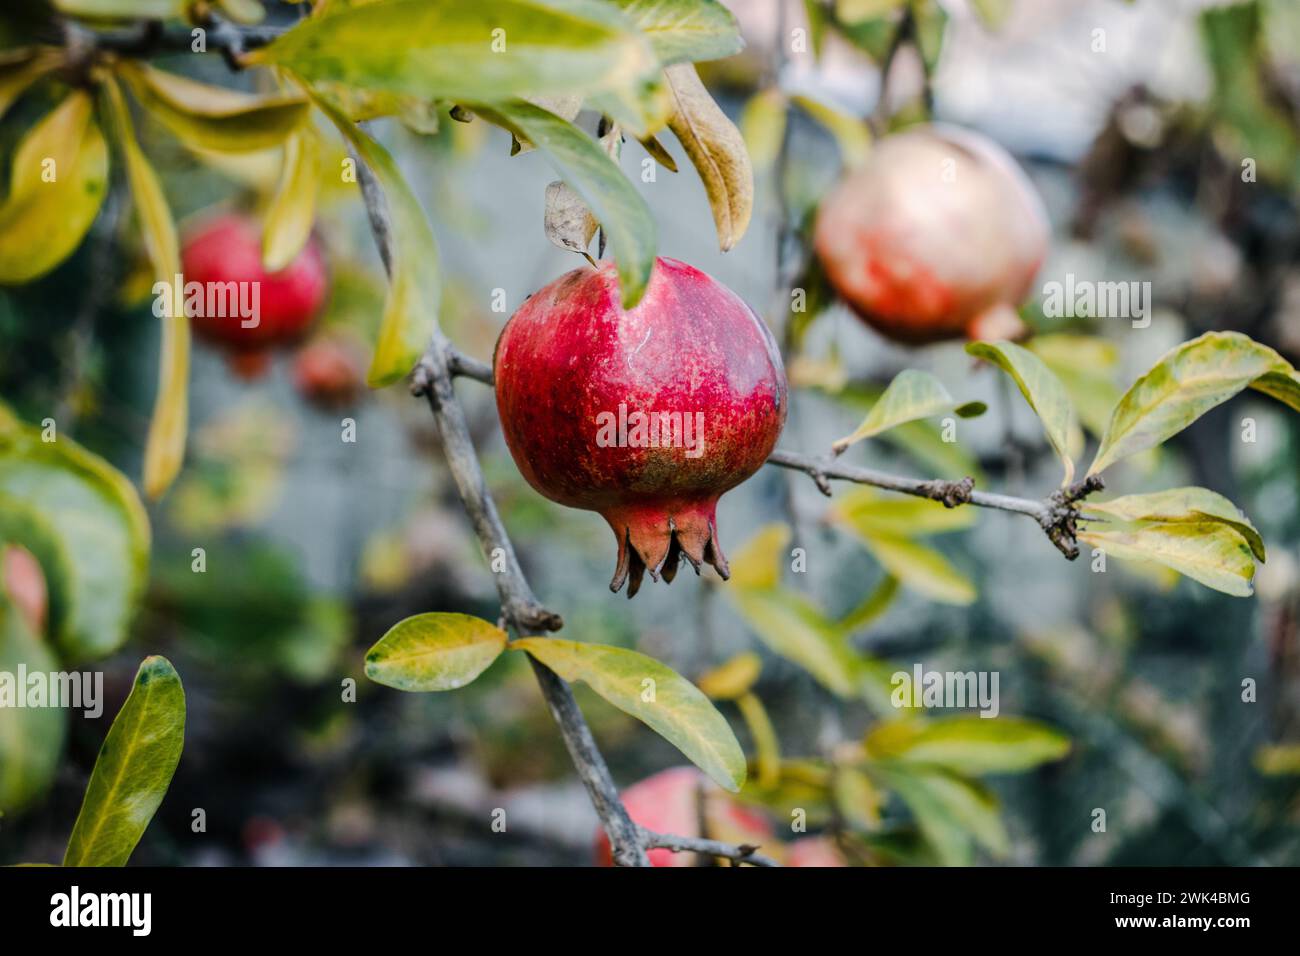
x=677, y=801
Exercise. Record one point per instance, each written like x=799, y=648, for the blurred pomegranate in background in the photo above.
x=678, y=801
x=814, y=851
x=228, y=249
x=938, y=235
x=24, y=584
x=329, y=371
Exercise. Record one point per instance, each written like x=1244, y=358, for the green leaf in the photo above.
x=165, y=445
x=292, y=211
x=792, y=627
x=584, y=165
x=1181, y=504
x=922, y=569
x=949, y=811
x=1186, y=383
x=716, y=149
x=1086, y=366
x=869, y=512
x=652, y=693
x=102, y=533
x=681, y=30
x=450, y=49
x=434, y=652
x=971, y=745
x=133, y=771
x=212, y=117
x=851, y=133
x=124, y=9
x=1206, y=551
x=912, y=395
x=414, y=284
x=43, y=219
x=1042, y=390
x=31, y=738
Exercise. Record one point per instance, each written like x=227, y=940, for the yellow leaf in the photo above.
x=414, y=288
x=165, y=446
x=732, y=679
x=717, y=151
x=19, y=69
x=57, y=184
x=289, y=218
x=212, y=117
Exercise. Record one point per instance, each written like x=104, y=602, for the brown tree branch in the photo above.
x=1055, y=514
x=744, y=853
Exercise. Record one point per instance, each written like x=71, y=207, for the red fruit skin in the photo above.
x=228, y=248
x=674, y=801
x=24, y=583
x=571, y=355
x=327, y=373
x=937, y=236
x=814, y=852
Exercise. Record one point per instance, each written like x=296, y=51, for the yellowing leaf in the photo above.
x=165, y=446
x=716, y=149
x=919, y=568
x=756, y=563
x=57, y=183
x=787, y=623
x=762, y=124
x=868, y=512
x=434, y=652
x=1206, y=551
x=1042, y=390
x=970, y=744
x=851, y=132
x=681, y=30
x=586, y=166
x=450, y=49
x=1181, y=504
x=732, y=679
x=414, y=287
x=212, y=117
x=1186, y=383
x=288, y=221
x=652, y=693
x=912, y=395
x=133, y=771
x=124, y=9
x=766, y=745
x=1086, y=366
x=19, y=69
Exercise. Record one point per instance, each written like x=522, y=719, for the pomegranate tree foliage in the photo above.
x=530, y=66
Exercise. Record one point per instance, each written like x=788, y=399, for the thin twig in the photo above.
x=1055, y=514
x=744, y=853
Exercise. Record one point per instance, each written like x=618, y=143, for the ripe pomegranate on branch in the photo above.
x=646, y=415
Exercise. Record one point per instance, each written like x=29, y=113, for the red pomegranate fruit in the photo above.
x=676, y=801
x=24, y=584
x=329, y=372
x=646, y=416
x=938, y=235
x=814, y=852
x=262, y=310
